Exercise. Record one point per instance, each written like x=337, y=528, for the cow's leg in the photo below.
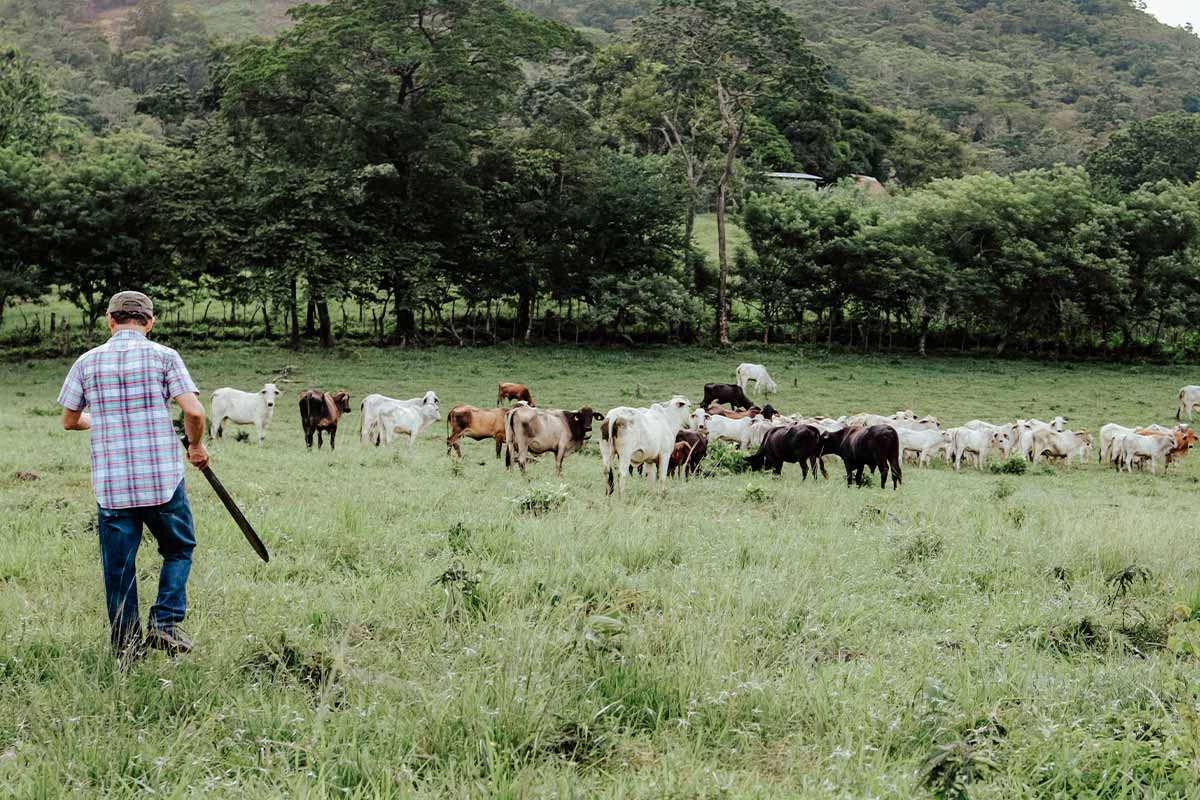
x=883, y=476
x=803, y=470
x=663, y=462
x=623, y=466
x=499, y=445
x=261, y=429
x=849, y=475
x=858, y=476
x=332, y=437
x=308, y=434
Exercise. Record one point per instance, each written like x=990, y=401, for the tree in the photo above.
x=25, y=106
x=400, y=89
x=1163, y=147
x=23, y=233
x=722, y=59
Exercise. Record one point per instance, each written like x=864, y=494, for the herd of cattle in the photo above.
x=671, y=436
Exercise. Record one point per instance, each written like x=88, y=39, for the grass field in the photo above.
x=418, y=634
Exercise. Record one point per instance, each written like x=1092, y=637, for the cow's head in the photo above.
x=929, y=423
x=580, y=422
x=269, y=392
x=342, y=401
x=430, y=399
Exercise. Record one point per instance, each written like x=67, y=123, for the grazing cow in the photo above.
x=757, y=373
x=474, y=423
x=921, y=444
x=690, y=449
x=244, y=408
x=513, y=391
x=374, y=405
x=737, y=431
x=718, y=411
x=533, y=431
x=729, y=393
x=407, y=416
x=1133, y=447
x=320, y=412
x=795, y=444
x=1062, y=444
x=1189, y=398
x=631, y=436
x=858, y=447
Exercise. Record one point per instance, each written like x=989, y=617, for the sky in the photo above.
x=1175, y=12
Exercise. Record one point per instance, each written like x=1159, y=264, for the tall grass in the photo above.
x=419, y=634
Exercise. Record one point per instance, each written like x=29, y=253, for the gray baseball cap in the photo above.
x=132, y=302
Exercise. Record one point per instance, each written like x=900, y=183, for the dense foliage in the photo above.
x=470, y=171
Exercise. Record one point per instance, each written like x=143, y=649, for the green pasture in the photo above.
x=419, y=633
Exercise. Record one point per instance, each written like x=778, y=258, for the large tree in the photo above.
x=720, y=62
x=401, y=91
x=1163, y=147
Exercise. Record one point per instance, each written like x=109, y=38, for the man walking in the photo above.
x=128, y=383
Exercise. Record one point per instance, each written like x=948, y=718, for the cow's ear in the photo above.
x=596, y=415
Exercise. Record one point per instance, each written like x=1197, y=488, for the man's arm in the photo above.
x=76, y=420
x=193, y=425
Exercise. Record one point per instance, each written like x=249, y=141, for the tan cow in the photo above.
x=533, y=431
x=474, y=423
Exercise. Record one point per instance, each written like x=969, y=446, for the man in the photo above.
x=128, y=383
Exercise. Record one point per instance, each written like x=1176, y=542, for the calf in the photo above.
x=858, y=447
x=795, y=444
x=373, y=406
x=474, y=423
x=758, y=373
x=729, y=393
x=690, y=449
x=737, y=431
x=920, y=443
x=513, y=391
x=976, y=441
x=533, y=431
x=244, y=408
x=631, y=436
x=320, y=412
x=411, y=418
x=1133, y=447
x=718, y=411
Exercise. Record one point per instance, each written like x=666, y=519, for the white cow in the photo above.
x=1109, y=451
x=374, y=406
x=401, y=418
x=1189, y=398
x=921, y=443
x=757, y=373
x=1062, y=444
x=977, y=441
x=244, y=408
x=731, y=430
x=901, y=420
x=760, y=425
x=1133, y=447
x=631, y=436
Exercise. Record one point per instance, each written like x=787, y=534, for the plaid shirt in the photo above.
x=128, y=382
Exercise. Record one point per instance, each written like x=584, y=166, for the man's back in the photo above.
x=128, y=383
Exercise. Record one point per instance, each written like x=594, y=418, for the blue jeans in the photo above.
x=120, y=536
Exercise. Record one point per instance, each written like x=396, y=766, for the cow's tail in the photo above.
x=362, y=417
x=610, y=431
x=509, y=437
x=1179, y=410
x=897, y=473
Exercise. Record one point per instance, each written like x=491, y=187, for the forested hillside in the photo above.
x=1029, y=82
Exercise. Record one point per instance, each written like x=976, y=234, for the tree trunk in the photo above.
x=524, y=319
x=723, y=260
x=294, y=308
x=924, y=334
x=267, y=320
x=310, y=319
x=326, y=326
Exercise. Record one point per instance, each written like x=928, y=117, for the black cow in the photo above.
x=793, y=444
x=690, y=449
x=729, y=393
x=858, y=447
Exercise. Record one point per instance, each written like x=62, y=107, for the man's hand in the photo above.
x=197, y=455
x=76, y=420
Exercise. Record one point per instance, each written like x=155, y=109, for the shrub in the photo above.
x=753, y=493
x=1014, y=466
x=541, y=499
x=723, y=459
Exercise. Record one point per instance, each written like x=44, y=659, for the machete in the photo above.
x=234, y=511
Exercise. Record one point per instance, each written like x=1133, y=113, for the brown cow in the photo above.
x=877, y=447
x=720, y=411
x=690, y=449
x=320, y=411
x=533, y=431
x=513, y=391
x=474, y=423
x=729, y=393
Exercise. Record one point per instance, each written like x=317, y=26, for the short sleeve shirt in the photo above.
x=128, y=383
